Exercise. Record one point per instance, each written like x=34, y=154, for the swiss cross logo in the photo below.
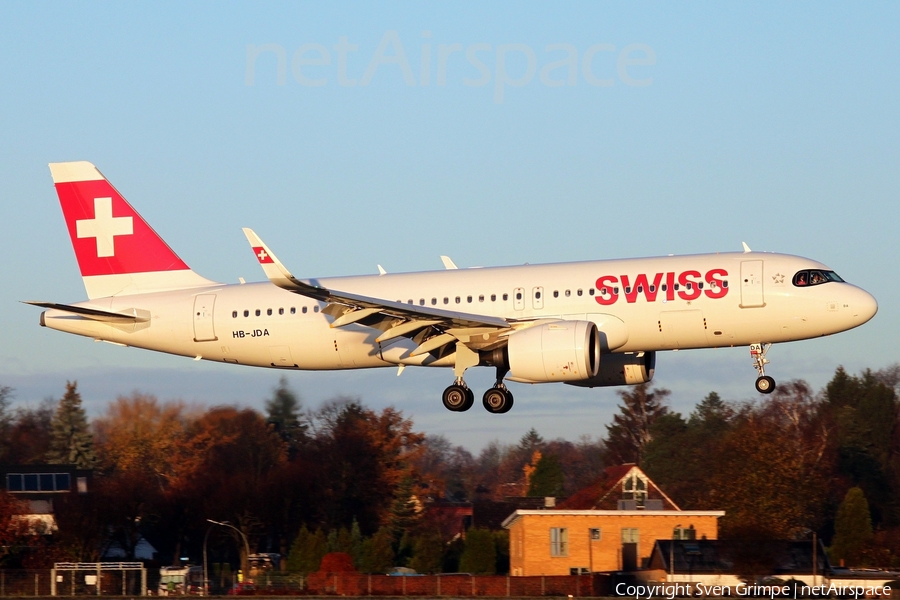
x=262, y=255
x=104, y=227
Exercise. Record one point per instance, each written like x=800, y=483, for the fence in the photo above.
x=40, y=582
x=462, y=585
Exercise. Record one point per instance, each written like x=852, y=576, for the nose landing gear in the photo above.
x=764, y=383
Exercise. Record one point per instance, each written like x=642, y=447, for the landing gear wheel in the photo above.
x=457, y=398
x=497, y=400
x=765, y=385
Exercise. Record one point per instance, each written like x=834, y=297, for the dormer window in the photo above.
x=634, y=487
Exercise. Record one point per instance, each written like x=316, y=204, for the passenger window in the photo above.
x=316, y=308
x=304, y=310
x=652, y=288
x=234, y=314
x=628, y=289
x=724, y=284
x=568, y=293
x=481, y=297
x=258, y=312
x=469, y=299
x=579, y=292
x=537, y=295
x=269, y=312
x=591, y=291
x=493, y=297
x=518, y=295
x=280, y=311
x=700, y=285
x=293, y=310
x=446, y=300
x=663, y=287
x=434, y=301
x=246, y=313
x=677, y=287
x=421, y=301
x=505, y=297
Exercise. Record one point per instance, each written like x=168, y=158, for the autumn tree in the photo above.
x=630, y=431
x=27, y=438
x=72, y=442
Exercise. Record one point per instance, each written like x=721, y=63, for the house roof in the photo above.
x=605, y=492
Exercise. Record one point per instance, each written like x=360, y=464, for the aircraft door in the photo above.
x=204, y=329
x=752, y=284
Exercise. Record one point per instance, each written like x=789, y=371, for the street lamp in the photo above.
x=245, y=564
x=205, y=568
x=672, y=554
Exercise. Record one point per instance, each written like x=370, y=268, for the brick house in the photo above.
x=612, y=525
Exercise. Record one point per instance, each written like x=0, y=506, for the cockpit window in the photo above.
x=815, y=277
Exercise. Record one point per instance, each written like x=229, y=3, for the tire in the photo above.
x=456, y=398
x=497, y=401
x=765, y=385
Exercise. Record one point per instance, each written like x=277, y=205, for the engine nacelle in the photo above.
x=566, y=351
x=622, y=369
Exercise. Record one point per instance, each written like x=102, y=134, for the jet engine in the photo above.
x=566, y=351
x=622, y=369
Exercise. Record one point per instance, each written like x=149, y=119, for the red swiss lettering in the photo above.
x=716, y=288
x=606, y=293
x=641, y=284
x=688, y=280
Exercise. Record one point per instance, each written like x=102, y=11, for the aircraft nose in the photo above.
x=863, y=305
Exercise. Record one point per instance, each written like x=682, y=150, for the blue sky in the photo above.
x=713, y=124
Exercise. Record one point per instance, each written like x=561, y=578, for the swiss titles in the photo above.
x=687, y=285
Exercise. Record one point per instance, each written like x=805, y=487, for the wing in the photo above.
x=395, y=319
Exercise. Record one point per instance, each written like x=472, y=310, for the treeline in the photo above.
x=790, y=464
x=346, y=478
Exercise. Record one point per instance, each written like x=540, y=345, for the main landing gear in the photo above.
x=497, y=400
x=764, y=383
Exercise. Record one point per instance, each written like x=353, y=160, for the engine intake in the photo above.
x=567, y=351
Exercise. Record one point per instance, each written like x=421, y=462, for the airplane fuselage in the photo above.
x=645, y=304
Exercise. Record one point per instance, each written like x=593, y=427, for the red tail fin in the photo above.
x=117, y=251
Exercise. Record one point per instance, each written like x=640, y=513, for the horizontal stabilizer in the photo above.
x=95, y=314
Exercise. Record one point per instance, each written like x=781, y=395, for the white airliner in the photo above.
x=593, y=323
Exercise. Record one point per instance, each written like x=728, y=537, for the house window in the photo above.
x=630, y=535
x=595, y=534
x=634, y=487
x=684, y=533
x=559, y=541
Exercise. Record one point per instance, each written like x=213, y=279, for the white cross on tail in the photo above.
x=104, y=227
